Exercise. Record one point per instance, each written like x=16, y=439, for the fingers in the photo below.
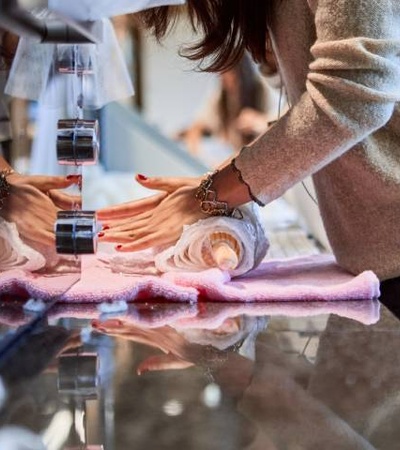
x=133, y=240
x=167, y=184
x=129, y=209
x=65, y=201
x=145, y=241
x=45, y=183
x=38, y=238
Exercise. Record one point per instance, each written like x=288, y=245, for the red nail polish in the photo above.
x=142, y=177
x=70, y=177
x=106, y=227
x=119, y=247
x=100, y=234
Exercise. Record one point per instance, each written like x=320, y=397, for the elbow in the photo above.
x=352, y=108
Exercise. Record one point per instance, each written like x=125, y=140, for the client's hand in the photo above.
x=51, y=185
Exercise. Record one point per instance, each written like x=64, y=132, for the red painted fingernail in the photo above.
x=118, y=247
x=142, y=177
x=70, y=177
x=106, y=227
x=101, y=234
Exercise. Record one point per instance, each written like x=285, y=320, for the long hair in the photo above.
x=227, y=28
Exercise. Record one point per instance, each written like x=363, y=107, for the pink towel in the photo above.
x=311, y=278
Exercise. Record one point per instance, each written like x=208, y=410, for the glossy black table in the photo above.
x=201, y=376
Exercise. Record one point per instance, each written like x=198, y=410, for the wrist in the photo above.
x=210, y=202
x=240, y=178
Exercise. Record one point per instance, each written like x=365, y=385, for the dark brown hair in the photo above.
x=228, y=28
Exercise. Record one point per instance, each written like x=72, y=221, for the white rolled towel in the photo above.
x=236, y=246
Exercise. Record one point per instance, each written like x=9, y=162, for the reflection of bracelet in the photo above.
x=4, y=185
x=212, y=359
x=210, y=205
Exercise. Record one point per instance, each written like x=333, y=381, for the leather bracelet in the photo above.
x=209, y=203
x=4, y=185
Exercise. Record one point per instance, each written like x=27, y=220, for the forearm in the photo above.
x=351, y=89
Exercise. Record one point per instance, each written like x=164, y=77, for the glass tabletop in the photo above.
x=202, y=376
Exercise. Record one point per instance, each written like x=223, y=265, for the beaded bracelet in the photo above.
x=209, y=203
x=4, y=185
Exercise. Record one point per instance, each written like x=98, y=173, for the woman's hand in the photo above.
x=166, y=185
x=158, y=226
x=178, y=353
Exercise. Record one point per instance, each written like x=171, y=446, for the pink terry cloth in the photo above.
x=311, y=278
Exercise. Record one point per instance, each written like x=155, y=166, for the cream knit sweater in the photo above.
x=340, y=62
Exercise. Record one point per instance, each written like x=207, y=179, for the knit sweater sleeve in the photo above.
x=352, y=86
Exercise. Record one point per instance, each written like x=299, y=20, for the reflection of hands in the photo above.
x=178, y=352
x=34, y=212
x=51, y=185
x=159, y=220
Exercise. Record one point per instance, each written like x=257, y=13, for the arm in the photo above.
x=352, y=86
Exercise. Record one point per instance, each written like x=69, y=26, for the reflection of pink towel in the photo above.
x=211, y=315
x=312, y=278
x=208, y=315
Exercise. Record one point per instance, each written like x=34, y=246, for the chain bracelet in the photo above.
x=209, y=203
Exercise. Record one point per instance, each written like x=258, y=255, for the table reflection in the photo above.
x=205, y=376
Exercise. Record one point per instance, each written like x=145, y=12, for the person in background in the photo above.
x=340, y=64
x=30, y=201
x=7, y=49
x=240, y=89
